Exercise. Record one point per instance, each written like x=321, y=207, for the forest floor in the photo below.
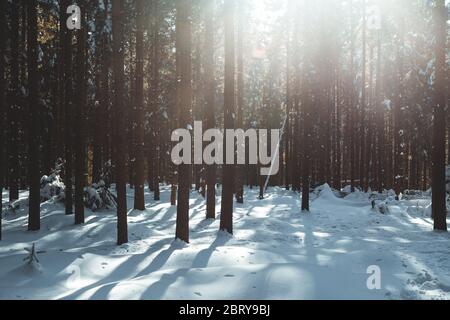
x=276, y=252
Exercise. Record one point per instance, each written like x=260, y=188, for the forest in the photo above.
x=352, y=98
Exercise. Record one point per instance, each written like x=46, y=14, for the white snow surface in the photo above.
x=276, y=252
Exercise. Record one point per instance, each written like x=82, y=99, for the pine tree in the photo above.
x=3, y=4
x=118, y=15
x=183, y=106
x=14, y=106
x=210, y=90
x=240, y=95
x=154, y=99
x=68, y=98
x=226, y=217
x=33, y=101
x=139, y=129
x=79, y=147
x=439, y=211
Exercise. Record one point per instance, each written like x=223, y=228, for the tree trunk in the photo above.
x=439, y=210
x=3, y=4
x=139, y=203
x=13, y=112
x=33, y=105
x=226, y=217
x=80, y=151
x=155, y=101
x=121, y=172
x=240, y=95
x=184, y=105
x=67, y=54
x=210, y=87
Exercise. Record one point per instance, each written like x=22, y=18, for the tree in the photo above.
x=101, y=116
x=240, y=95
x=226, y=217
x=154, y=101
x=3, y=4
x=363, y=159
x=120, y=166
x=439, y=211
x=139, y=129
x=14, y=106
x=33, y=104
x=183, y=106
x=68, y=143
x=210, y=90
x=80, y=151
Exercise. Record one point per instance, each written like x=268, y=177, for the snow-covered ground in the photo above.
x=276, y=252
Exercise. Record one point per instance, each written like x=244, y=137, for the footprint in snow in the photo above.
x=229, y=276
x=198, y=293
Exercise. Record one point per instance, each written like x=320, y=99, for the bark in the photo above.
x=33, y=102
x=80, y=151
x=439, y=211
x=226, y=217
x=3, y=37
x=121, y=172
x=210, y=87
x=14, y=107
x=184, y=105
x=139, y=129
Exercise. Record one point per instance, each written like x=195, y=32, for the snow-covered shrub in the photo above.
x=98, y=197
x=52, y=186
x=326, y=191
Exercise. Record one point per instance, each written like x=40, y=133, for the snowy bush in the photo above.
x=98, y=197
x=52, y=186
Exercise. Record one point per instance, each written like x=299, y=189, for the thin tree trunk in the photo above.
x=80, y=151
x=439, y=210
x=210, y=87
x=121, y=172
x=184, y=105
x=13, y=112
x=240, y=95
x=3, y=40
x=155, y=101
x=67, y=56
x=33, y=103
x=226, y=217
x=139, y=203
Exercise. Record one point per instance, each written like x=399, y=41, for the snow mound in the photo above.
x=326, y=193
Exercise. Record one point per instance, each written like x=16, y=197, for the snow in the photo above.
x=277, y=252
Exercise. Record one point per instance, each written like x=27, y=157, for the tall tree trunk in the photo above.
x=380, y=108
x=240, y=95
x=139, y=129
x=14, y=107
x=121, y=172
x=155, y=101
x=226, y=217
x=67, y=54
x=439, y=210
x=363, y=160
x=3, y=4
x=184, y=105
x=33, y=105
x=352, y=104
x=101, y=112
x=287, y=138
x=210, y=87
x=80, y=151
